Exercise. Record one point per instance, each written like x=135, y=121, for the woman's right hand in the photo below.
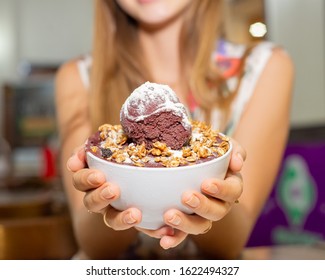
x=99, y=193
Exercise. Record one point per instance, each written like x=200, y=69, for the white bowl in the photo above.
x=154, y=190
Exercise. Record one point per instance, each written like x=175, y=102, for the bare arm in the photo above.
x=263, y=132
x=93, y=237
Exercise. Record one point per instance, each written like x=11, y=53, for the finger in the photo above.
x=78, y=160
x=228, y=190
x=96, y=200
x=238, y=156
x=86, y=179
x=191, y=224
x=171, y=241
x=121, y=220
x=206, y=207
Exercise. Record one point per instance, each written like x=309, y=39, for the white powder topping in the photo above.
x=196, y=135
x=152, y=98
x=127, y=159
x=176, y=153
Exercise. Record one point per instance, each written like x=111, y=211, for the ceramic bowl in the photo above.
x=154, y=190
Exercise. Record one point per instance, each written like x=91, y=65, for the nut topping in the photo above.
x=204, y=144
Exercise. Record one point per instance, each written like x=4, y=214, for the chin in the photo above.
x=154, y=12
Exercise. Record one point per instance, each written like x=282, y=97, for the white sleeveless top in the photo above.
x=227, y=55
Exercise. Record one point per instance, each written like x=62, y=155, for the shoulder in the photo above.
x=271, y=61
x=70, y=94
x=68, y=82
x=279, y=69
x=68, y=76
x=281, y=61
x=272, y=52
x=275, y=83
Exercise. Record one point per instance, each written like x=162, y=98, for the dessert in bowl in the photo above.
x=157, y=153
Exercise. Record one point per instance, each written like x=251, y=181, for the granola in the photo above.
x=112, y=144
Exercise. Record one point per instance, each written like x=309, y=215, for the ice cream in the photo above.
x=153, y=113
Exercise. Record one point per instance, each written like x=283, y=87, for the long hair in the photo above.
x=118, y=68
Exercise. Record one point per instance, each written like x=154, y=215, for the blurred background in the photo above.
x=36, y=36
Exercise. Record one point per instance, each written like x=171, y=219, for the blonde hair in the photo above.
x=118, y=62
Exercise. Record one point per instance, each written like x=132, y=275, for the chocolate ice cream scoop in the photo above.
x=153, y=113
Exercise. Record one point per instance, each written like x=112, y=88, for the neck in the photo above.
x=161, y=50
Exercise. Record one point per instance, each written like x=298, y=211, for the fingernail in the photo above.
x=193, y=201
x=211, y=188
x=81, y=154
x=239, y=156
x=68, y=164
x=93, y=179
x=128, y=219
x=175, y=220
x=106, y=193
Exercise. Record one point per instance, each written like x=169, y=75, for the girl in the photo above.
x=245, y=91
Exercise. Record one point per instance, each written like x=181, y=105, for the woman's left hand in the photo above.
x=212, y=204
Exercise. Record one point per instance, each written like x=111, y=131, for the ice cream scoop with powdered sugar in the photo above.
x=153, y=113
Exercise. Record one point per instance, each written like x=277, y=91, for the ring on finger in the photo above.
x=105, y=220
